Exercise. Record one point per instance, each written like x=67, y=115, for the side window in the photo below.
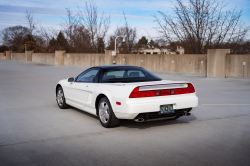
x=135, y=73
x=113, y=74
x=87, y=76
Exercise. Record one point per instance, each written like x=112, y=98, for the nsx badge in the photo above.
x=172, y=91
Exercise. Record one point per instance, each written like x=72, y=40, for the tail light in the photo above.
x=164, y=92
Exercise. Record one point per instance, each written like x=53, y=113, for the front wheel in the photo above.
x=106, y=114
x=60, y=98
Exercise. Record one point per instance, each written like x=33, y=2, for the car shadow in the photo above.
x=167, y=122
x=144, y=125
x=83, y=112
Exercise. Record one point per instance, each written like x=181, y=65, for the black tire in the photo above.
x=61, y=102
x=106, y=115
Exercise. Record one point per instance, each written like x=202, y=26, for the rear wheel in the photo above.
x=60, y=98
x=106, y=115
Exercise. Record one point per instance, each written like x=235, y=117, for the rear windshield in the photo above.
x=127, y=75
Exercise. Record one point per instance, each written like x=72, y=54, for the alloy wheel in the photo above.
x=60, y=97
x=104, y=112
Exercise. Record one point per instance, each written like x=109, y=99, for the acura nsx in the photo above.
x=117, y=92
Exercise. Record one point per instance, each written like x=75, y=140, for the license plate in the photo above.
x=166, y=109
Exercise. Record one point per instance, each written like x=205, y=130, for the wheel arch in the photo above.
x=57, y=86
x=98, y=98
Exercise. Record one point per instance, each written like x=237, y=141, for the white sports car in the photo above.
x=126, y=92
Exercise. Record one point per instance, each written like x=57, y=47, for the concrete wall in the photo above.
x=43, y=57
x=18, y=56
x=2, y=55
x=185, y=63
x=216, y=63
x=8, y=55
x=59, y=57
x=80, y=59
x=235, y=67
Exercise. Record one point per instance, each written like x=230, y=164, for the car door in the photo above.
x=78, y=92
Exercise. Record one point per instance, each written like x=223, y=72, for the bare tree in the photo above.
x=240, y=47
x=29, y=17
x=40, y=36
x=130, y=34
x=12, y=37
x=85, y=28
x=69, y=25
x=202, y=22
x=97, y=25
x=47, y=34
x=76, y=34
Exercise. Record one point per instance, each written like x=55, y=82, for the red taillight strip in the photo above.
x=164, y=92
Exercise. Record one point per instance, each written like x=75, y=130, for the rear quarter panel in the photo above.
x=115, y=93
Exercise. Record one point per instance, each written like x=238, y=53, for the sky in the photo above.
x=139, y=13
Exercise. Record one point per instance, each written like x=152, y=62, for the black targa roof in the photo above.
x=116, y=66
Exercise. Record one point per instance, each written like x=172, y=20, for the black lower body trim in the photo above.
x=157, y=115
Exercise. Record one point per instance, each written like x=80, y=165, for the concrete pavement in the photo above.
x=34, y=131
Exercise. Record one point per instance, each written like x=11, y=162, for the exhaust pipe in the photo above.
x=140, y=119
x=187, y=114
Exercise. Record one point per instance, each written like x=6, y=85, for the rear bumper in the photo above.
x=135, y=106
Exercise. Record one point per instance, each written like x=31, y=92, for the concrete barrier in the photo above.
x=59, y=57
x=238, y=65
x=18, y=56
x=184, y=63
x=86, y=59
x=8, y=55
x=44, y=57
x=28, y=56
x=217, y=63
x=2, y=55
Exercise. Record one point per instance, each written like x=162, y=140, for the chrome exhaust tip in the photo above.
x=139, y=120
x=187, y=114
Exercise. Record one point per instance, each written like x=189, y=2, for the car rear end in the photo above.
x=163, y=100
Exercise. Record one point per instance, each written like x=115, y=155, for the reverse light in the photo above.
x=164, y=92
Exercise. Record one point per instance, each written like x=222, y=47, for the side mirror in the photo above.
x=71, y=79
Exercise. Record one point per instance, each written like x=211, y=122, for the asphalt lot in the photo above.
x=34, y=131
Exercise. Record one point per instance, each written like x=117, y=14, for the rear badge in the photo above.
x=172, y=91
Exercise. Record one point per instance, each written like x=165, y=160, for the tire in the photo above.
x=61, y=102
x=106, y=115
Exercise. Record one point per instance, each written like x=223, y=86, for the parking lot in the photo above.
x=34, y=131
